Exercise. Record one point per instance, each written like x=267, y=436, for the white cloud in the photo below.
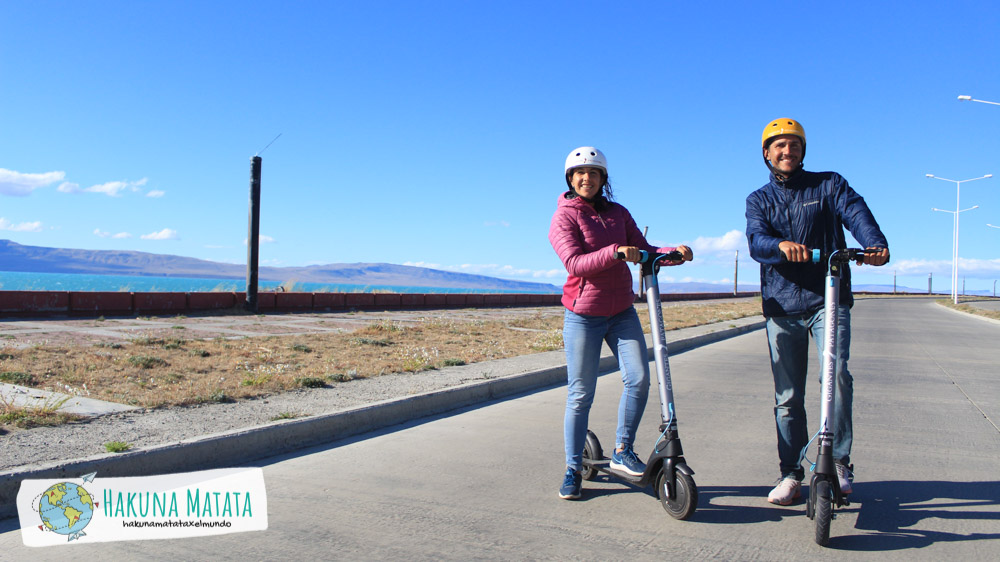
x=111, y=188
x=504, y=224
x=423, y=264
x=165, y=234
x=21, y=227
x=19, y=185
x=156, y=193
x=103, y=234
x=262, y=238
x=494, y=270
x=975, y=268
x=728, y=243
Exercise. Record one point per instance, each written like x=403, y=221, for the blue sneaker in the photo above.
x=571, y=485
x=627, y=462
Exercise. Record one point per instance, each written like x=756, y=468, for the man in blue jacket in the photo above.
x=795, y=212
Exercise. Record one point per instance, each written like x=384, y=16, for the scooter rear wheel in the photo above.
x=591, y=451
x=824, y=512
x=685, y=499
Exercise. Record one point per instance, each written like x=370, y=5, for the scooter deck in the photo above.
x=604, y=465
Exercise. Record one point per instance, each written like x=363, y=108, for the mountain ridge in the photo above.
x=40, y=259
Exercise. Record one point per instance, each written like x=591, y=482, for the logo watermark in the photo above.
x=167, y=506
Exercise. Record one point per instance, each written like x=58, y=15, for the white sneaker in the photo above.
x=845, y=475
x=788, y=490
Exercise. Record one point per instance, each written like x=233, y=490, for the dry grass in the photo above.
x=153, y=372
x=994, y=314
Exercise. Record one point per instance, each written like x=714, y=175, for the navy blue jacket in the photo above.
x=812, y=209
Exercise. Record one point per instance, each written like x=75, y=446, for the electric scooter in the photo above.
x=824, y=487
x=666, y=467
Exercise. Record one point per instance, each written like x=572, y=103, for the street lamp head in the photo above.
x=964, y=98
x=930, y=175
x=988, y=176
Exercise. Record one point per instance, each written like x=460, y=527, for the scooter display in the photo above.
x=824, y=487
x=666, y=467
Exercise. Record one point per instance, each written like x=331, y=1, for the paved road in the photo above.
x=481, y=484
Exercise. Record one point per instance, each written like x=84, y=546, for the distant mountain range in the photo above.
x=37, y=259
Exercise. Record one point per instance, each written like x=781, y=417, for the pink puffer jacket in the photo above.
x=586, y=242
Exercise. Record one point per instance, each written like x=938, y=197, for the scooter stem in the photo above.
x=667, y=418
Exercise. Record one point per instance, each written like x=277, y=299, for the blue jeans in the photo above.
x=788, y=339
x=582, y=338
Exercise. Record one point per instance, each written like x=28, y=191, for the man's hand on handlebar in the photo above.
x=875, y=256
x=794, y=252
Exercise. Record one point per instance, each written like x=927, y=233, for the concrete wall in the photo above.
x=96, y=303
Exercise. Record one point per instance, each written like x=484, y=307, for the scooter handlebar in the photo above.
x=841, y=256
x=653, y=257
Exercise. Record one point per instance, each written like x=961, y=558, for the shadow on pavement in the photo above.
x=888, y=513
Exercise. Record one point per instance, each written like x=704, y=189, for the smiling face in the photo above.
x=587, y=181
x=785, y=154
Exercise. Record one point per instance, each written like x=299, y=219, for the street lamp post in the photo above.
x=970, y=98
x=954, y=249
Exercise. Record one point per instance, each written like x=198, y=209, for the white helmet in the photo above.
x=587, y=156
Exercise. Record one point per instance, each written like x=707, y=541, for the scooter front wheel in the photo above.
x=824, y=512
x=685, y=499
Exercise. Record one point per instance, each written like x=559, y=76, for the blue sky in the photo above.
x=434, y=133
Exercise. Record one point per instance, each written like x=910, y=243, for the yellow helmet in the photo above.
x=783, y=126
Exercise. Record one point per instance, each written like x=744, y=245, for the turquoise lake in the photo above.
x=21, y=281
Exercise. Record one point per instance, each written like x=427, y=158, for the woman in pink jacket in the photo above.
x=588, y=230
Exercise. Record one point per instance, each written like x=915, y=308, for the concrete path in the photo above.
x=482, y=484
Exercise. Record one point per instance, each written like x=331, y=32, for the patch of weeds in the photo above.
x=146, y=340
x=180, y=317
x=378, y=342
x=117, y=446
x=44, y=414
x=146, y=361
x=17, y=377
x=302, y=347
x=100, y=319
x=178, y=327
x=4, y=356
x=417, y=364
x=219, y=396
x=310, y=382
x=258, y=380
x=452, y=363
x=340, y=377
x=174, y=344
x=108, y=345
x=288, y=416
x=549, y=341
x=174, y=377
x=200, y=353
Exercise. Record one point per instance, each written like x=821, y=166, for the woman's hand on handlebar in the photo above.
x=630, y=253
x=794, y=252
x=686, y=252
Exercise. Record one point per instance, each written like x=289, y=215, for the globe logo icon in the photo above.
x=66, y=508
